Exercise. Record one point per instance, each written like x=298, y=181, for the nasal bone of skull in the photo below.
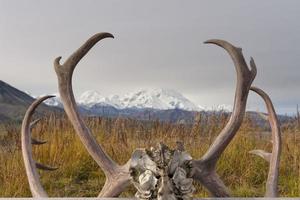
x=165, y=192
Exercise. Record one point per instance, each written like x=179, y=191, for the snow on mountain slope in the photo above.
x=161, y=99
x=91, y=98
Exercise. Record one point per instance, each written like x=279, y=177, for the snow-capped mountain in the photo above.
x=158, y=99
x=91, y=98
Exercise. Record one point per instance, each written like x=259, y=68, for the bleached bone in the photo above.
x=30, y=165
x=203, y=170
x=272, y=180
x=161, y=173
x=261, y=153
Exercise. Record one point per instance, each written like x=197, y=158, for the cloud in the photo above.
x=157, y=44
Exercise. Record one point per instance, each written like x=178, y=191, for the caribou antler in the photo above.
x=205, y=167
x=245, y=77
x=35, y=141
x=274, y=157
x=30, y=165
x=117, y=177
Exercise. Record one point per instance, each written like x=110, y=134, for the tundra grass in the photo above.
x=79, y=176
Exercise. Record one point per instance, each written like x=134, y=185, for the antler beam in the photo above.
x=117, y=177
x=30, y=165
x=205, y=167
x=274, y=157
x=245, y=77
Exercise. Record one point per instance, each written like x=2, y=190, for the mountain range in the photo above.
x=147, y=104
x=157, y=99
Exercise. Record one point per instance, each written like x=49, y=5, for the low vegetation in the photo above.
x=78, y=175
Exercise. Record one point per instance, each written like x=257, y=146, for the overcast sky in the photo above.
x=158, y=44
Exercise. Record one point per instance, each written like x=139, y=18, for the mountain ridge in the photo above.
x=157, y=98
x=14, y=103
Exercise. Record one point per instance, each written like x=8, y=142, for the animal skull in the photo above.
x=161, y=173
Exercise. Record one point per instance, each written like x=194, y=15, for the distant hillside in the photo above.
x=14, y=103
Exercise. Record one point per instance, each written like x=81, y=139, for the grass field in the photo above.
x=78, y=175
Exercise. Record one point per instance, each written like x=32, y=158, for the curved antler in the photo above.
x=205, y=167
x=30, y=165
x=245, y=77
x=117, y=177
x=274, y=157
x=35, y=141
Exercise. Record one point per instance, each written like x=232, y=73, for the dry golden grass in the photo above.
x=78, y=175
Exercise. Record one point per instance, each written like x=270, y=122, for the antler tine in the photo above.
x=272, y=180
x=30, y=165
x=245, y=77
x=32, y=124
x=116, y=176
x=261, y=153
x=74, y=59
x=45, y=167
x=35, y=141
